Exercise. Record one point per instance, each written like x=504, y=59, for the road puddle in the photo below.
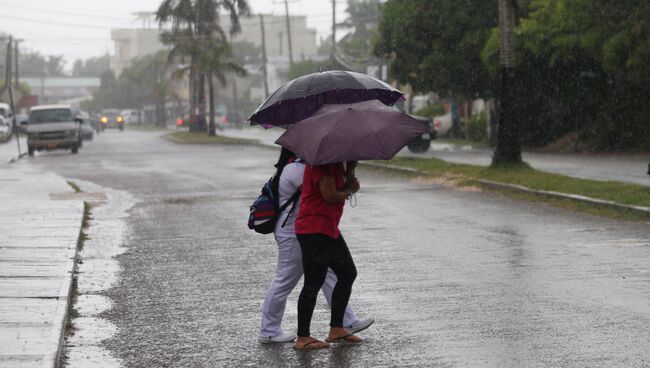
x=98, y=271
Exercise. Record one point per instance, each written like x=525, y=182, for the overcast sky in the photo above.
x=81, y=28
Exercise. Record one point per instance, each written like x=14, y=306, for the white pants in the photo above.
x=288, y=273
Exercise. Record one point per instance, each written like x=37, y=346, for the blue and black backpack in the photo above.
x=266, y=209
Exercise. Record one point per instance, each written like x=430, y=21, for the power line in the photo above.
x=61, y=24
x=67, y=12
x=39, y=6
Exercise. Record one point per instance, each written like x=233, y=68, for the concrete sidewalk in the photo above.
x=39, y=227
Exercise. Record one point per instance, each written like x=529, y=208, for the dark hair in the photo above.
x=285, y=156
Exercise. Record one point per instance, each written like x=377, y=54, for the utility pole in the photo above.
x=17, y=61
x=8, y=63
x=286, y=10
x=264, y=71
x=333, y=28
x=508, y=149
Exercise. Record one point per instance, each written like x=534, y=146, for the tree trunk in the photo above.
x=202, y=124
x=213, y=128
x=455, y=131
x=508, y=149
x=193, y=98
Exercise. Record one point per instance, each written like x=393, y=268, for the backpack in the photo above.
x=266, y=209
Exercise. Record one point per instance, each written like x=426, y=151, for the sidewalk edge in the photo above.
x=573, y=197
x=521, y=189
x=47, y=361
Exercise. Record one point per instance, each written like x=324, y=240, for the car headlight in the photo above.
x=119, y=119
x=104, y=119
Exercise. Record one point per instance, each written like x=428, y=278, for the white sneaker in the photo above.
x=360, y=325
x=283, y=337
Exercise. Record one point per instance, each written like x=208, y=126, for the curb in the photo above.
x=521, y=189
x=68, y=287
x=573, y=197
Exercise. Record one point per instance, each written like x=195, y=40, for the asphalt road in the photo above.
x=453, y=278
x=626, y=168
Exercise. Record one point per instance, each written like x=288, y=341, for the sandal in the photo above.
x=347, y=339
x=312, y=345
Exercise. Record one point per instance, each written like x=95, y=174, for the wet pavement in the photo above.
x=627, y=168
x=40, y=217
x=454, y=278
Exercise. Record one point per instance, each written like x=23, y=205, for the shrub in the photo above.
x=477, y=127
x=431, y=111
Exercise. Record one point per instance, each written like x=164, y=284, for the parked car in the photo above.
x=52, y=127
x=5, y=110
x=132, y=116
x=86, y=130
x=235, y=119
x=5, y=128
x=442, y=124
x=422, y=143
x=112, y=118
x=22, y=120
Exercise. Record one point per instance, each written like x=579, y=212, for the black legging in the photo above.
x=318, y=253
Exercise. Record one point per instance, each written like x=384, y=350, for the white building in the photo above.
x=131, y=44
x=136, y=43
x=303, y=39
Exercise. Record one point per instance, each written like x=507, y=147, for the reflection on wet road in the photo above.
x=453, y=278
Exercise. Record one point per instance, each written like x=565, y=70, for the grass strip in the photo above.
x=524, y=175
x=84, y=225
x=204, y=138
x=73, y=313
x=74, y=186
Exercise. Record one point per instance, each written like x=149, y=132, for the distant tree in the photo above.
x=194, y=27
x=584, y=69
x=436, y=45
x=355, y=48
x=147, y=81
x=304, y=67
x=92, y=67
x=216, y=63
x=55, y=66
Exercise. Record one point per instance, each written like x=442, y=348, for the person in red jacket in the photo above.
x=325, y=189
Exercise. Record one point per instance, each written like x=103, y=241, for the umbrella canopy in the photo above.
x=302, y=97
x=366, y=130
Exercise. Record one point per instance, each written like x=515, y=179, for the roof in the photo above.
x=43, y=107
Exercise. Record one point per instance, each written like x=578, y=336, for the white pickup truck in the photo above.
x=52, y=127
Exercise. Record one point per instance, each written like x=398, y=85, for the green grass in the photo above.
x=74, y=186
x=624, y=193
x=204, y=138
x=84, y=225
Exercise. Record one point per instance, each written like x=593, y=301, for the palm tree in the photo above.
x=194, y=32
x=508, y=149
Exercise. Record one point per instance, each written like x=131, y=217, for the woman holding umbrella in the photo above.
x=325, y=189
x=289, y=268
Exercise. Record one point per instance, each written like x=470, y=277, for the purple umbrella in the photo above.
x=300, y=98
x=366, y=130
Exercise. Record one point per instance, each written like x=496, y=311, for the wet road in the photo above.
x=453, y=278
x=627, y=168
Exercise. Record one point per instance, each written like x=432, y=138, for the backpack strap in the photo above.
x=294, y=200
